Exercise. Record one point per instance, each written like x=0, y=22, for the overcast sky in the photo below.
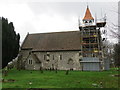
x=40, y=17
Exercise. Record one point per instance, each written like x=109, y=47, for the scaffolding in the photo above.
x=91, y=42
x=92, y=57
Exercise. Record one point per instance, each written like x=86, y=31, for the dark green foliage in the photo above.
x=10, y=42
x=117, y=55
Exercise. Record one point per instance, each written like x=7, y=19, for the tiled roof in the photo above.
x=53, y=41
x=88, y=15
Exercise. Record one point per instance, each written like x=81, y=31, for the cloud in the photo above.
x=39, y=17
x=19, y=14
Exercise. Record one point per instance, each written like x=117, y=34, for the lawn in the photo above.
x=51, y=79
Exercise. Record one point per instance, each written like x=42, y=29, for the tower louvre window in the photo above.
x=85, y=21
x=90, y=21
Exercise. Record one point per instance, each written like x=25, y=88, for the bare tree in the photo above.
x=115, y=30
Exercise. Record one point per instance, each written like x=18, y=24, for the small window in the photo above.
x=44, y=57
x=48, y=57
x=30, y=62
x=60, y=57
x=53, y=57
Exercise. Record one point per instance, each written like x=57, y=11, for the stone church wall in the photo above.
x=63, y=60
x=32, y=65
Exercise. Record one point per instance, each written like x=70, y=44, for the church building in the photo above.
x=70, y=50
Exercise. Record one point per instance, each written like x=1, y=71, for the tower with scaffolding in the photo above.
x=92, y=56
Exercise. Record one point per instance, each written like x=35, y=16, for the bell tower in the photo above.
x=91, y=43
x=88, y=19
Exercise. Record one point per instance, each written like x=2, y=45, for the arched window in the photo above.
x=86, y=22
x=70, y=61
x=90, y=21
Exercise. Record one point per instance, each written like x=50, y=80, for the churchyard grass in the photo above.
x=51, y=79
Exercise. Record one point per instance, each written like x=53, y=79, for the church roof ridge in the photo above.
x=53, y=32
